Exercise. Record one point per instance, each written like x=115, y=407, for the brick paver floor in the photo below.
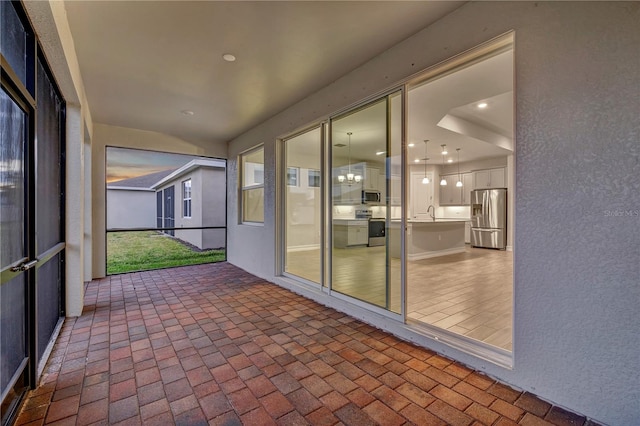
x=212, y=344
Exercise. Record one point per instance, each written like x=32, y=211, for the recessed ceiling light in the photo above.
x=187, y=112
x=483, y=105
x=380, y=152
x=411, y=145
x=450, y=160
x=228, y=57
x=417, y=160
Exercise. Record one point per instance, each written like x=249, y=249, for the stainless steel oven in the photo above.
x=377, y=232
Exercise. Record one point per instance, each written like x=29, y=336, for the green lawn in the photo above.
x=141, y=251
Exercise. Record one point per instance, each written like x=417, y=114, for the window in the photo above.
x=252, y=186
x=186, y=198
x=292, y=176
x=314, y=179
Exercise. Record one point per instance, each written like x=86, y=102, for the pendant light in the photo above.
x=351, y=177
x=444, y=149
x=425, y=179
x=459, y=182
x=443, y=181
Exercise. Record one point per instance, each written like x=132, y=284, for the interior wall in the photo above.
x=103, y=136
x=577, y=233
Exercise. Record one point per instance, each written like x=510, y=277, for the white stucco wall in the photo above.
x=577, y=251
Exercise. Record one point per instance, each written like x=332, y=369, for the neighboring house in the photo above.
x=131, y=202
x=193, y=196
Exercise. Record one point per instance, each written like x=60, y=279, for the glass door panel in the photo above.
x=13, y=252
x=460, y=128
x=49, y=227
x=363, y=142
x=303, y=205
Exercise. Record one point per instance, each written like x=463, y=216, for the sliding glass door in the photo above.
x=303, y=205
x=365, y=203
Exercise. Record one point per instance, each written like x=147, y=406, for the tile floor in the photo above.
x=212, y=344
x=468, y=293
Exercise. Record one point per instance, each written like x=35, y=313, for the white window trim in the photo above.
x=242, y=187
x=184, y=198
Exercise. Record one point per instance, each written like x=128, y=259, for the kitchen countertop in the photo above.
x=440, y=220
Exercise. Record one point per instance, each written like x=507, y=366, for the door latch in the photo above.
x=25, y=266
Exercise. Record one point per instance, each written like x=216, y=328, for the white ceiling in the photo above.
x=143, y=62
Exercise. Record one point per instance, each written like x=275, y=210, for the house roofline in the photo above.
x=191, y=165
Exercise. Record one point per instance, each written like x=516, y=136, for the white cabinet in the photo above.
x=449, y=194
x=371, y=178
x=357, y=233
x=467, y=187
x=489, y=178
x=348, y=233
x=351, y=193
x=382, y=187
x=452, y=195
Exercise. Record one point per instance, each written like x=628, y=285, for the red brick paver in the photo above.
x=212, y=344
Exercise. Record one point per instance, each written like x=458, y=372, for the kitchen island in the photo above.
x=428, y=238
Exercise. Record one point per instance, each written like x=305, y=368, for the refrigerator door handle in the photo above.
x=485, y=208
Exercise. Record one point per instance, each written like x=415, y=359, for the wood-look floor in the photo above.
x=469, y=293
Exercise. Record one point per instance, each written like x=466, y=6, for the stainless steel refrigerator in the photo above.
x=489, y=218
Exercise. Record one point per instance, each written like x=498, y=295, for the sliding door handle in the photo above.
x=24, y=266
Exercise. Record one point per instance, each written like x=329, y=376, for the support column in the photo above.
x=74, y=220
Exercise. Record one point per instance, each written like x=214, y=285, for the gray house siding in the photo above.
x=207, y=206
x=130, y=208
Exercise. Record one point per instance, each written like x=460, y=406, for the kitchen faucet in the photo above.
x=433, y=212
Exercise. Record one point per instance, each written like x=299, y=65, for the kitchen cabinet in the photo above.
x=348, y=233
x=452, y=195
x=382, y=187
x=489, y=178
x=467, y=232
x=467, y=187
x=371, y=178
x=351, y=194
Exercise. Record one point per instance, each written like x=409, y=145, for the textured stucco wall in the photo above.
x=577, y=251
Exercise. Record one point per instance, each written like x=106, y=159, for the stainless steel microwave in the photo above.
x=370, y=197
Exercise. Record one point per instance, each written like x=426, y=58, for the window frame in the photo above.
x=293, y=172
x=242, y=188
x=186, y=202
x=314, y=178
